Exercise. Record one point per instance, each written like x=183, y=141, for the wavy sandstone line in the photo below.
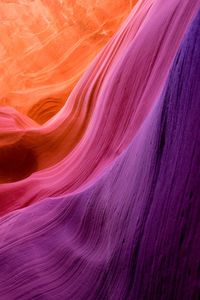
x=101, y=115
x=133, y=233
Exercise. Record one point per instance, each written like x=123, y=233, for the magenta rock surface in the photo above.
x=132, y=233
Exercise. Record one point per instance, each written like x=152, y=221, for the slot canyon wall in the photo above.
x=100, y=150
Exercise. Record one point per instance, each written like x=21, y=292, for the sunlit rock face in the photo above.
x=47, y=45
x=101, y=200
x=151, y=36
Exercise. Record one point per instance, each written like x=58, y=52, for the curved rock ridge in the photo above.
x=133, y=233
x=102, y=114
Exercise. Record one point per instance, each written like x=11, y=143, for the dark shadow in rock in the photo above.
x=17, y=161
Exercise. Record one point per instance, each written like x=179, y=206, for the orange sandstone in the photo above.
x=47, y=45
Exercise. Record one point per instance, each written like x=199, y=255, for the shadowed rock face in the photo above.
x=47, y=45
x=116, y=215
x=120, y=85
x=16, y=162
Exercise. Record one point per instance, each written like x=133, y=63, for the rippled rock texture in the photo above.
x=102, y=201
x=46, y=45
